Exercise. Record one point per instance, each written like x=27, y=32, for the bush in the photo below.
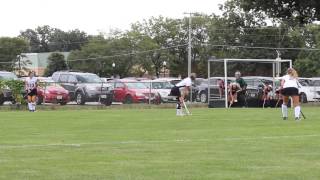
x=17, y=87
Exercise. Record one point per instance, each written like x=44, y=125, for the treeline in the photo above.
x=241, y=31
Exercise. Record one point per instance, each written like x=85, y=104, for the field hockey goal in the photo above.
x=219, y=75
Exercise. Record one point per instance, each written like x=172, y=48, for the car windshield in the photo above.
x=162, y=85
x=316, y=83
x=136, y=85
x=7, y=76
x=88, y=78
x=304, y=82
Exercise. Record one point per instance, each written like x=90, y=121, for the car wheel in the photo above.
x=1, y=99
x=203, y=97
x=39, y=100
x=63, y=103
x=303, y=98
x=107, y=101
x=80, y=98
x=128, y=100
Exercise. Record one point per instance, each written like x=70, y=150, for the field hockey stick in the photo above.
x=277, y=102
x=186, y=108
x=304, y=117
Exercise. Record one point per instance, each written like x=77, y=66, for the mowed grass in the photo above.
x=155, y=144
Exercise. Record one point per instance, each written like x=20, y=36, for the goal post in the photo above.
x=276, y=70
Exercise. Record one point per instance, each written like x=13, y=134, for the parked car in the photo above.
x=255, y=90
x=162, y=87
x=6, y=93
x=131, y=91
x=308, y=90
x=201, y=89
x=216, y=88
x=172, y=80
x=316, y=88
x=51, y=92
x=106, y=80
x=84, y=87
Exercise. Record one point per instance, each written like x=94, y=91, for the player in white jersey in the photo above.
x=289, y=88
x=31, y=85
x=181, y=90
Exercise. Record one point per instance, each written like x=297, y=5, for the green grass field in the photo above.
x=155, y=144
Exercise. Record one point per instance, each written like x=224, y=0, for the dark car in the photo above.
x=216, y=88
x=84, y=87
x=255, y=89
x=6, y=93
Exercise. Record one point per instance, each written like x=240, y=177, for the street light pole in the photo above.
x=189, y=48
x=164, y=65
x=113, y=66
x=189, y=43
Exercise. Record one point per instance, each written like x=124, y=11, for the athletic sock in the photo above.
x=29, y=107
x=178, y=107
x=284, y=110
x=297, y=111
x=33, y=106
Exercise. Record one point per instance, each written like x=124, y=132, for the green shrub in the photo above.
x=17, y=87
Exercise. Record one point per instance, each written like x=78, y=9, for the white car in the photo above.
x=316, y=88
x=163, y=87
x=306, y=90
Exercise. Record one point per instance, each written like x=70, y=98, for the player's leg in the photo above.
x=297, y=108
x=29, y=98
x=284, y=107
x=175, y=91
x=33, y=98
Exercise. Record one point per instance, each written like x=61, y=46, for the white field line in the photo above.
x=19, y=146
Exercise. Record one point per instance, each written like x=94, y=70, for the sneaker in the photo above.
x=285, y=118
x=297, y=118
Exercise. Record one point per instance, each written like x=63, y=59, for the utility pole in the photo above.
x=189, y=47
x=189, y=42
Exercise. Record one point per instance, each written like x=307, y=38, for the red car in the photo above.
x=51, y=92
x=130, y=91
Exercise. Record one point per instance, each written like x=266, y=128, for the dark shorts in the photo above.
x=291, y=91
x=33, y=92
x=175, y=91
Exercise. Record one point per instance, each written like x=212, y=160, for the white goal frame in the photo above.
x=276, y=70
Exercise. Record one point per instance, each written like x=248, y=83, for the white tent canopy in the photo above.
x=276, y=68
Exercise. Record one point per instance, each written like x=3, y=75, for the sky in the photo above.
x=93, y=16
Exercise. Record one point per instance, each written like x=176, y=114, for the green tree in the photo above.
x=294, y=11
x=98, y=55
x=56, y=63
x=308, y=62
x=48, y=39
x=10, y=48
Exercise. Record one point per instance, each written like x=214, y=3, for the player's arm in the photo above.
x=26, y=86
x=282, y=83
x=37, y=83
x=239, y=88
x=186, y=91
x=244, y=85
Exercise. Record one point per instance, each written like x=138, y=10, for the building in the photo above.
x=38, y=62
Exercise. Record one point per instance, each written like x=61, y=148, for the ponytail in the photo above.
x=292, y=72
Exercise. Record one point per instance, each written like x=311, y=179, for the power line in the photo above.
x=261, y=47
x=118, y=55
x=127, y=54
